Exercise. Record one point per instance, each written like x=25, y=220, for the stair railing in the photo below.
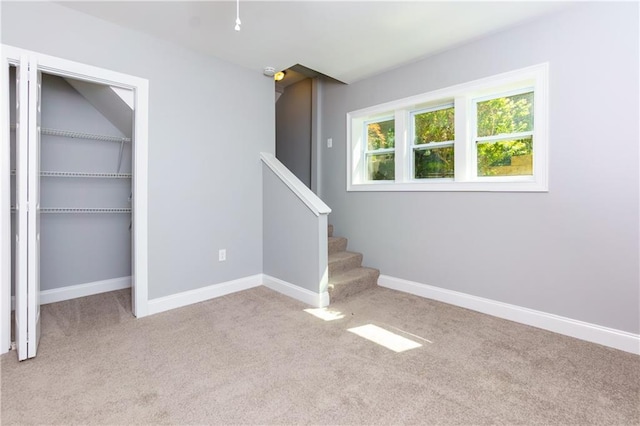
x=295, y=252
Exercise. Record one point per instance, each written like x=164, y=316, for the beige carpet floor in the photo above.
x=256, y=357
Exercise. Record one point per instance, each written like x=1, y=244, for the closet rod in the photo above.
x=74, y=210
x=79, y=135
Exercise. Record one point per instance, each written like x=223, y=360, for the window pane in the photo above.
x=433, y=163
x=381, y=166
x=381, y=135
x=434, y=126
x=509, y=114
x=506, y=158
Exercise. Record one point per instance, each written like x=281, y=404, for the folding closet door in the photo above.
x=33, y=221
x=27, y=218
x=21, y=214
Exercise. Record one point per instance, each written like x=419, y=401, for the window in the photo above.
x=379, y=151
x=487, y=135
x=433, y=139
x=504, y=135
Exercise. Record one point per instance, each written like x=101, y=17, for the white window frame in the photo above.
x=500, y=137
x=365, y=147
x=464, y=98
x=425, y=146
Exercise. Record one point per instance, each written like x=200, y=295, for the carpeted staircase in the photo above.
x=347, y=276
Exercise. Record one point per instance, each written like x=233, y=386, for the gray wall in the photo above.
x=572, y=251
x=205, y=189
x=293, y=129
x=291, y=235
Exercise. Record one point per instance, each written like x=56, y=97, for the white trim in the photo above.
x=197, y=295
x=451, y=186
x=318, y=300
x=5, y=213
x=613, y=338
x=323, y=256
x=311, y=200
x=139, y=202
x=80, y=290
x=83, y=290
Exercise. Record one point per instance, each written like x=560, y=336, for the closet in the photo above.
x=71, y=172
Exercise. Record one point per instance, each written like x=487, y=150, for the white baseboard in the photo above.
x=80, y=290
x=318, y=300
x=613, y=338
x=185, y=298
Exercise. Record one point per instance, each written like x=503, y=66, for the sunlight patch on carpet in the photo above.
x=385, y=338
x=325, y=314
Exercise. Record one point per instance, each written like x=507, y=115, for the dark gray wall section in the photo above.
x=208, y=122
x=290, y=235
x=572, y=251
x=293, y=130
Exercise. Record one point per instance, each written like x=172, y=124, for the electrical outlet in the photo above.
x=222, y=255
x=329, y=142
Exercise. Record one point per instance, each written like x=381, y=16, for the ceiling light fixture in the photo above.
x=238, y=23
x=279, y=75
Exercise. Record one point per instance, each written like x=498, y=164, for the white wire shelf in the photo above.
x=82, y=175
x=86, y=175
x=74, y=210
x=79, y=135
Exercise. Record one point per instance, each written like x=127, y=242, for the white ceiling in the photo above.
x=346, y=40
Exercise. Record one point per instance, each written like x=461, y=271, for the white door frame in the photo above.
x=11, y=56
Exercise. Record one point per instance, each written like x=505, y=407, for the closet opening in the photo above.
x=74, y=216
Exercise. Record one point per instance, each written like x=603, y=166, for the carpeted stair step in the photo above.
x=347, y=276
x=352, y=282
x=343, y=261
x=337, y=244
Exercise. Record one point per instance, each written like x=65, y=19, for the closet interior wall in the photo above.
x=85, y=190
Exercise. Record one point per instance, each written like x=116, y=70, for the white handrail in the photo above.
x=315, y=204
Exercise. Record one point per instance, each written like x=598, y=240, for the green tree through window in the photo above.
x=381, y=137
x=432, y=158
x=507, y=156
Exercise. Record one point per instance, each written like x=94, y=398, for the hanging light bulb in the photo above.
x=238, y=22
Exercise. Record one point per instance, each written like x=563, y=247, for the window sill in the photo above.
x=450, y=186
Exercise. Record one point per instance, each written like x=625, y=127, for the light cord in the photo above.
x=238, y=22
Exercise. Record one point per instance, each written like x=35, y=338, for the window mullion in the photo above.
x=403, y=140
x=380, y=151
x=462, y=151
x=432, y=145
x=503, y=137
x=363, y=150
